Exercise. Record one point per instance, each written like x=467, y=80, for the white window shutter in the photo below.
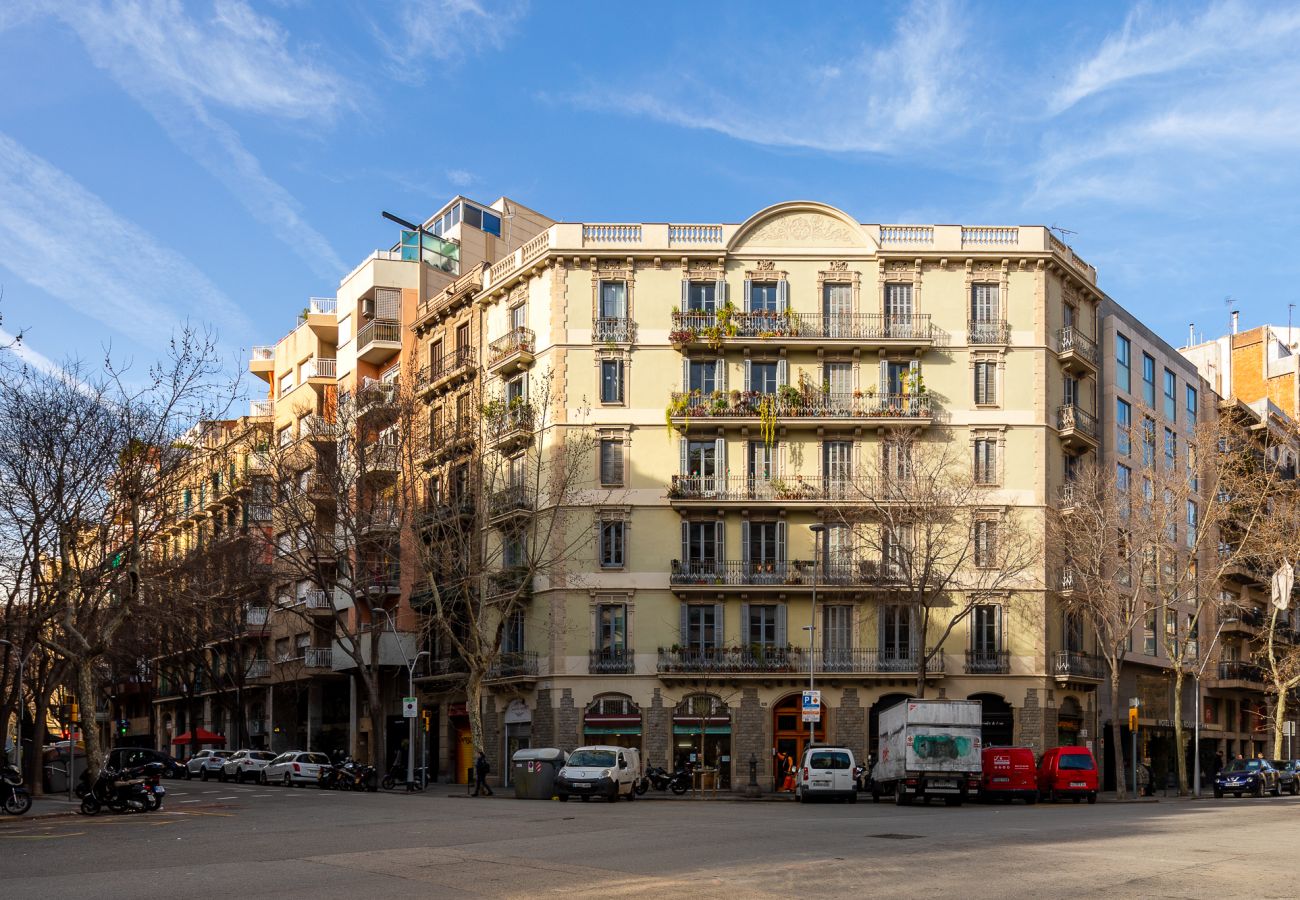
x=780, y=543
x=781, y=629
x=685, y=452
x=722, y=292
x=721, y=378
x=779, y=464
x=686, y=374
x=686, y=294
x=821, y=459
x=720, y=457
x=783, y=294
x=749, y=375
x=782, y=372
x=884, y=377
x=748, y=301
x=721, y=537
x=744, y=541
x=719, y=625
x=686, y=543
x=684, y=628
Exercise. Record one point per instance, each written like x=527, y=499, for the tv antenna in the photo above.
x=1061, y=231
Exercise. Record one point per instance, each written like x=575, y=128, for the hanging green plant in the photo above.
x=767, y=419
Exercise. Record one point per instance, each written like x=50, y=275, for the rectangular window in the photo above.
x=613, y=300
x=515, y=389
x=611, y=381
x=764, y=549
x=898, y=304
x=512, y=552
x=837, y=465
x=1123, y=479
x=613, y=545
x=837, y=379
x=491, y=223
x=702, y=296
x=986, y=631
x=702, y=544
x=1149, y=380
x=611, y=462
x=896, y=634
x=986, y=543
x=896, y=459
x=984, y=306
x=986, y=385
x=518, y=316
x=1193, y=469
x=762, y=377
x=1123, y=363
x=1148, y=441
x=986, y=460
x=702, y=377
x=286, y=383
x=837, y=630
x=701, y=459
x=1149, y=633
x=764, y=296
x=702, y=628
x=1191, y=406
x=1193, y=514
x=1171, y=449
x=512, y=636
x=1171, y=403
x=1123, y=427
x=761, y=628
x=761, y=461
x=611, y=628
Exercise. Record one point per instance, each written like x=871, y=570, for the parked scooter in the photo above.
x=327, y=779
x=114, y=790
x=355, y=776
x=678, y=782
x=396, y=778
x=13, y=796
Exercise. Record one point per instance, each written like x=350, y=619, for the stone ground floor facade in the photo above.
x=729, y=723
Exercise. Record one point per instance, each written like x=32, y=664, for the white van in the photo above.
x=826, y=772
x=600, y=771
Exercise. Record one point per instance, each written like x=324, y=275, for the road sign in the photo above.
x=812, y=715
x=410, y=707
x=812, y=700
x=1132, y=718
x=1288, y=728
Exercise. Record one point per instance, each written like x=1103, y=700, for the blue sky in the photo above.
x=223, y=161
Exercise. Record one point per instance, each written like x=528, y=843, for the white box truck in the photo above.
x=929, y=748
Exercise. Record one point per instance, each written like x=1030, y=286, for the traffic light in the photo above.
x=121, y=727
x=1132, y=718
x=76, y=712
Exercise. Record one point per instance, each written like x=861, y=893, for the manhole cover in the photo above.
x=896, y=837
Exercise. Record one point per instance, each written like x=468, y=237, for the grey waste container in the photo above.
x=533, y=771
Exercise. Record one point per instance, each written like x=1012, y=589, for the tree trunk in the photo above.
x=35, y=765
x=377, y=723
x=1180, y=757
x=1279, y=723
x=1116, y=739
x=474, y=708
x=88, y=697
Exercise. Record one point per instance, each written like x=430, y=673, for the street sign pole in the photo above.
x=1133, y=732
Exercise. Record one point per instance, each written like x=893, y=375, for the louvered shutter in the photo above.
x=719, y=625
x=783, y=294
x=684, y=628
x=720, y=458
x=744, y=543
x=913, y=371
x=782, y=637
x=749, y=296
x=720, y=378
x=686, y=375
x=720, y=536
x=780, y=545
x=686, y=545
x=749, y=375
x=685, y=470
x=782, y=372
x=744, y=625
x=722, y=292
x=884, y=377
x=686, y=294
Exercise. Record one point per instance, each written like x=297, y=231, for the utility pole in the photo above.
x=817, y=529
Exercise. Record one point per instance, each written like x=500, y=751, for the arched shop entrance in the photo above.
x=612, y=719
x=702, y=735
x=999, y=721
x=1069, y=721
x=789, y=732
x=873, y=721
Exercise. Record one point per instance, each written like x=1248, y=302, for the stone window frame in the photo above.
x=998, y=434
x=999, y=358
x=838, y=272
x=1000, y=599
x=624, y=355
x=621, y=433
x=612, y=270
x=625, y=598
x=986, y=271
x=602, y=514
x=764, y=272
x=995, y=516
x=898, y=271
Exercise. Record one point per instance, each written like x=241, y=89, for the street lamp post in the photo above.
x=410, y=692
x=18, y=731
x=817, y=528
x=1204, y=653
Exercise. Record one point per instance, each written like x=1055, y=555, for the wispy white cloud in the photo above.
x=59, y=237
x=177, y=66
x=461, y=177
x=906, y=93
x=445, y=31
x=24, y=350
x=1229, y=34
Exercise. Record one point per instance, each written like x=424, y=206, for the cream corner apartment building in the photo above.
x=684, y=630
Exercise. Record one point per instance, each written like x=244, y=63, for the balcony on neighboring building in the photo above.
x=321, y=316
x=320, y=370
x=734, y=327
x=510, y=503
x=742, y=490
x=792, y=408
x=1077, y=427
x=447, y=371
x=512, y=582
x=1072, y=665
x=379, y=584
x=511, y=425
x=782, y=575
x=318, y=658
x=987, y=662
x=450, y=439
x=764, y=661
x=319, y=603
x=613, y=330
x=254, y=618
x=378, y=396
x=261, y=409
x=1076, y=351
x=611, y=661
x=988, y=331
x=513, y=351
x=379, y=521
x=379, y=340
x=257, y=670
x=454, y=514
x=261, y=362
x=381, y=457
x=1067, y=496
x=1247, y=622
x=514, y=667
x=1234, y=673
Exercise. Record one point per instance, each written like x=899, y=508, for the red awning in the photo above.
x=201, y=736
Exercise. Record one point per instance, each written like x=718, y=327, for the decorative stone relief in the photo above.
x=803, y=228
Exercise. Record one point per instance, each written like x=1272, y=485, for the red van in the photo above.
x=1009, y=772
x=1068, y=772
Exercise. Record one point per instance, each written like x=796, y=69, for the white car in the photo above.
x=826, y=772
x=206, y=763
x=294, y=767
x=600, y=771
x=246, y=764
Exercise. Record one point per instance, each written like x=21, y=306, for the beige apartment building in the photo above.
x=739, y=377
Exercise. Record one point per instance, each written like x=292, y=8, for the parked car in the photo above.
x=1248, y=776
x=294, y=767
x=1068, y=772
x=133, y=757
x=1009, y=772
x=246, y=764
x=599, y=771
x=206, y=763
x=826, y=773
x=1287, y=781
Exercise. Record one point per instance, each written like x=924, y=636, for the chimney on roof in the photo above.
x=1234, y=321
x=1191, y=334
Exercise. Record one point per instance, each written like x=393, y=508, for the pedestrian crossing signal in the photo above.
x=1132, y=718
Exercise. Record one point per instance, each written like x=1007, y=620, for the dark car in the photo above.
x=1248, y=776
x=1288, y=775
x=134, y=757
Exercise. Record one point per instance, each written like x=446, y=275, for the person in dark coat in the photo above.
x=481, y=770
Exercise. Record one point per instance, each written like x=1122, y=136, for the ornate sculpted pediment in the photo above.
x=802, y=228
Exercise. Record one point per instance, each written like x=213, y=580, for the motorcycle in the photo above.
x=327, y=779
x=678, y=782
x=14, y=797
x=116, y=791
x=396, y=777
x=152, y=774
x=351, y=775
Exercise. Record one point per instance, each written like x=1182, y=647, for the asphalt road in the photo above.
x=245, y=842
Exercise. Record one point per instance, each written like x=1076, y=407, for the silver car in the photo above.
x=206, y=763
x=246, y=764
x=294, y=767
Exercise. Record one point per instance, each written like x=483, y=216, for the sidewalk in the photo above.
x=50, y=805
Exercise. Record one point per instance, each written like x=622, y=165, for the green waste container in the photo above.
x=533, y=771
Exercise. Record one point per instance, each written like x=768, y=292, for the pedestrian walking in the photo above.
x=481, y=769
x=1218, y=762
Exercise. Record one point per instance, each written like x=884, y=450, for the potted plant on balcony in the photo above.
x=718, y=403
x=790, y=397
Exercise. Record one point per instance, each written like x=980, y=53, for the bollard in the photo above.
x=751, y=789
